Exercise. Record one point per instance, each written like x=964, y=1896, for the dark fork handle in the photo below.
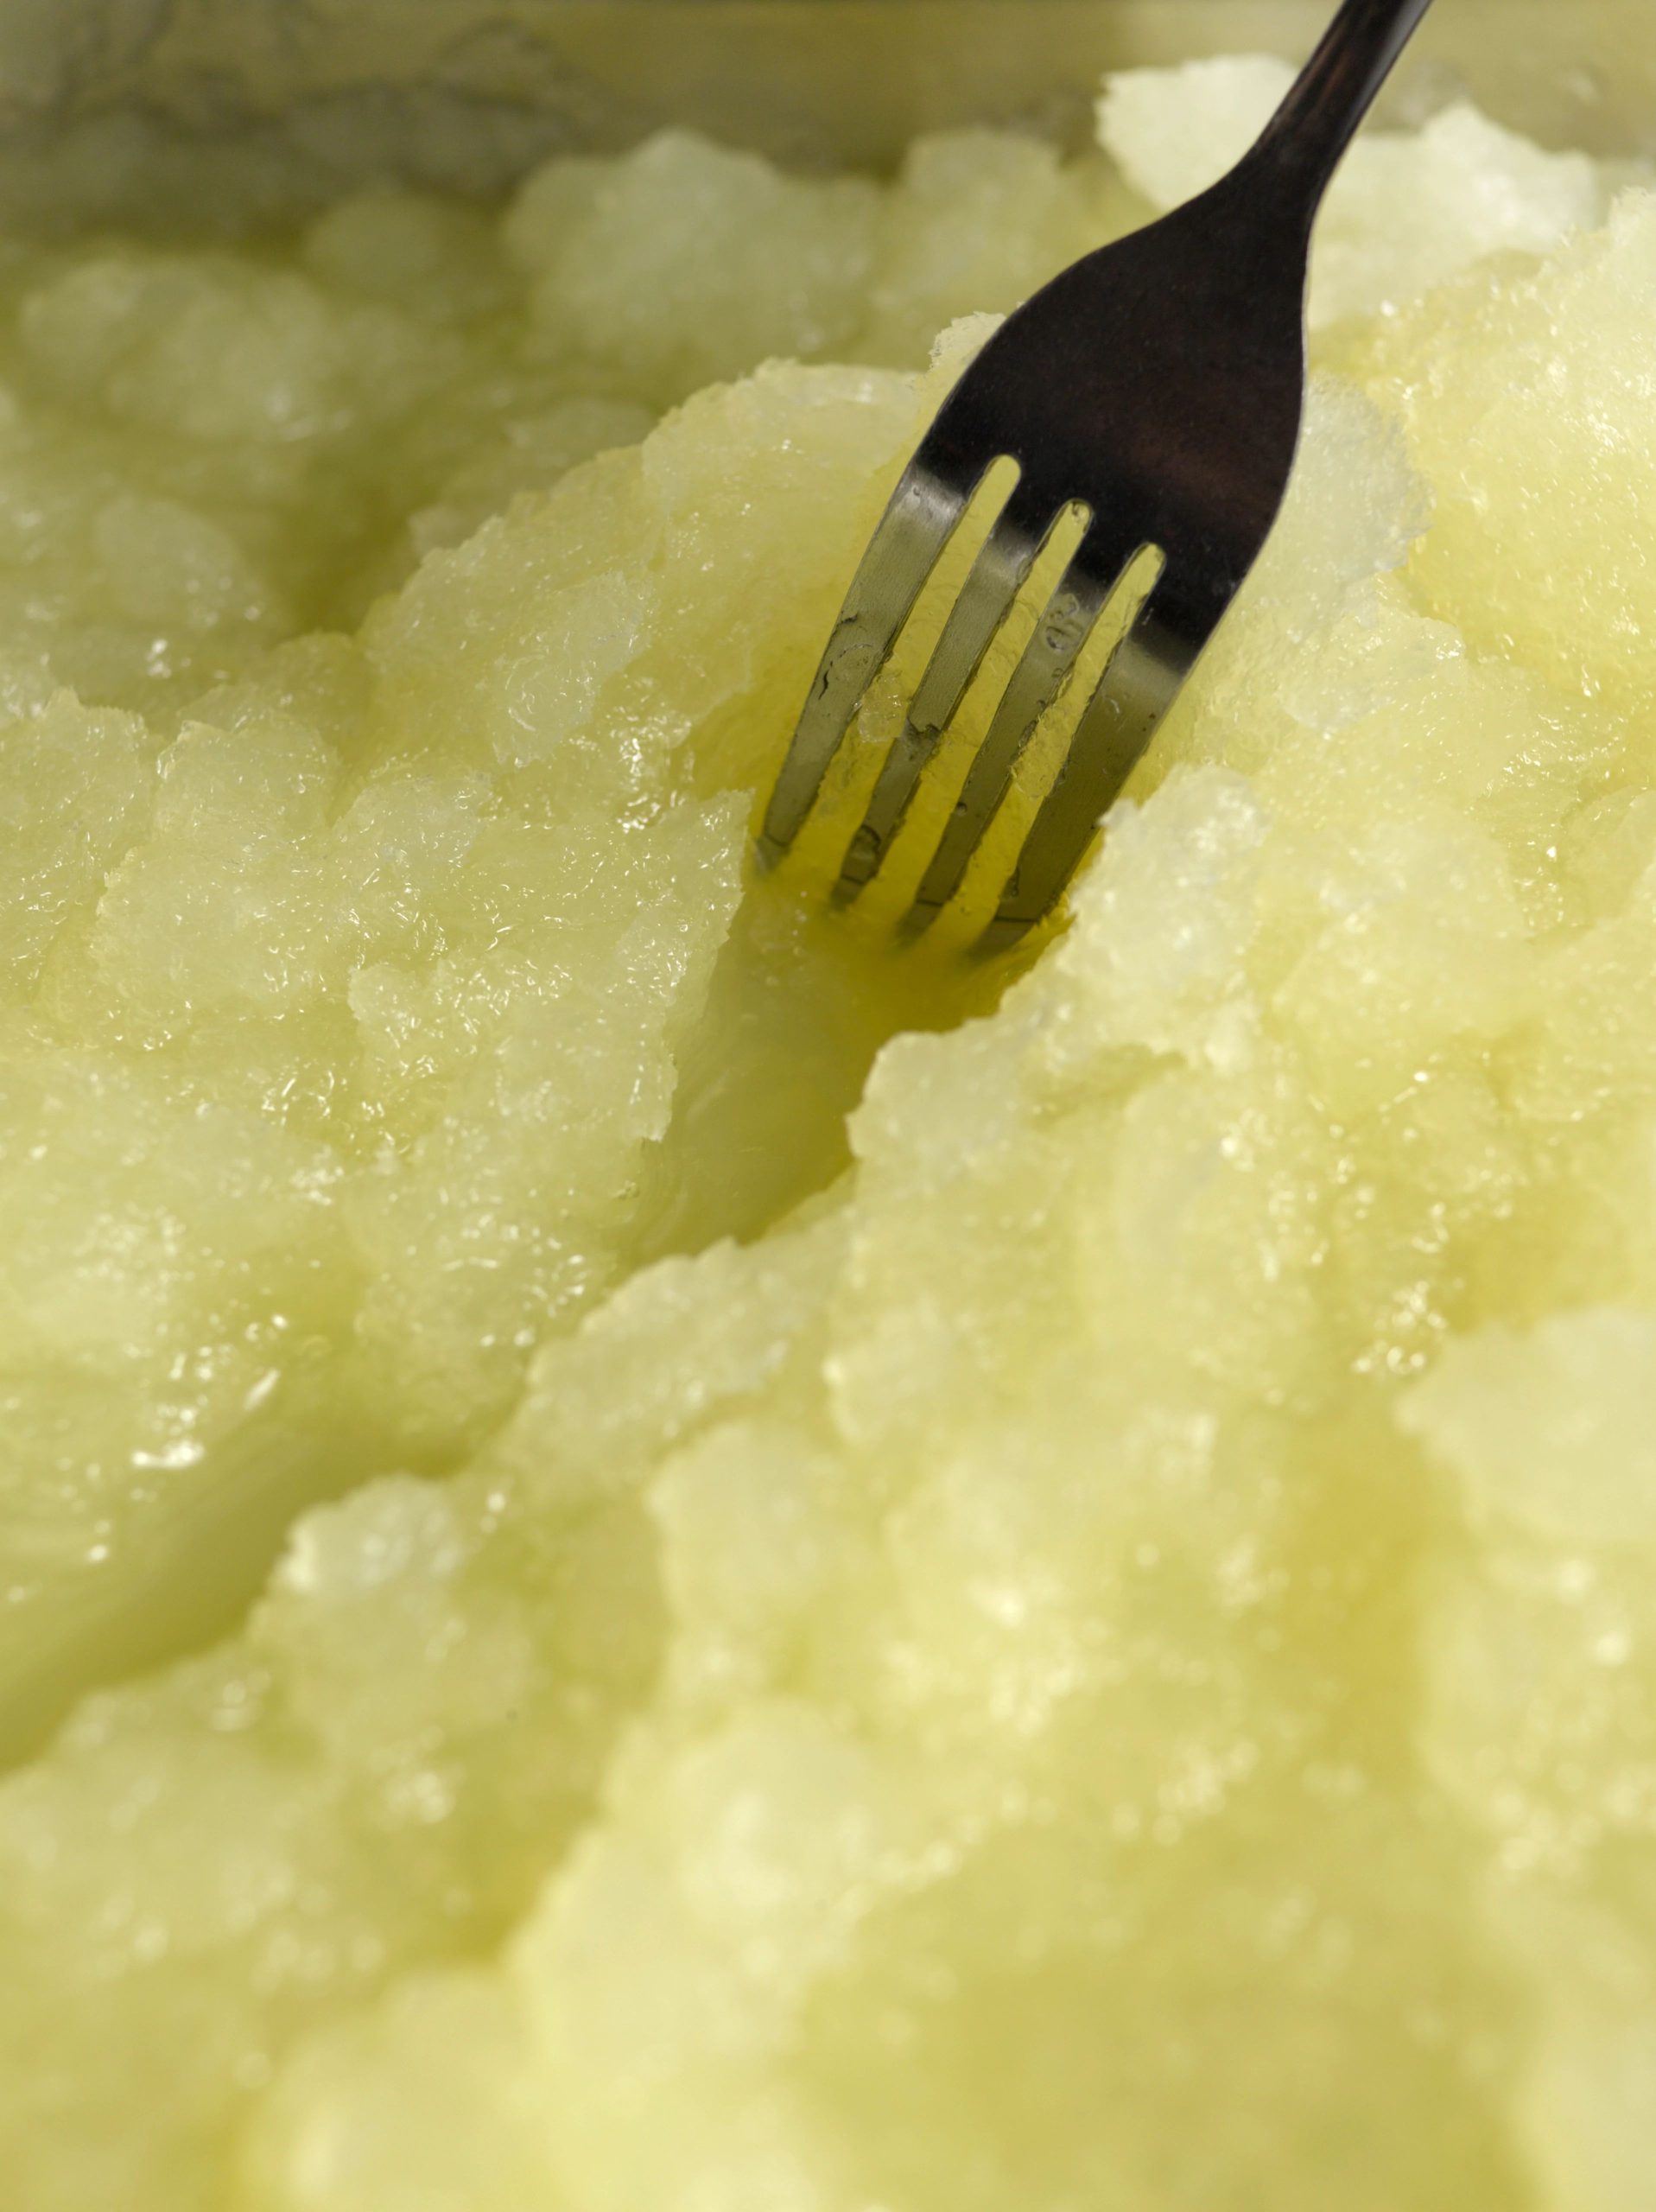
x=1302, y=142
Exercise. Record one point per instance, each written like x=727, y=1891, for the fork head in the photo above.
x=1157, y=386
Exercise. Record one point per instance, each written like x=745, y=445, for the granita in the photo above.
x=656, y=1560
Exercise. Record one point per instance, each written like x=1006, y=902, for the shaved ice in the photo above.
x=655, y=1560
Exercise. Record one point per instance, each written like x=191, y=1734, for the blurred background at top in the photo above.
x=230, y=114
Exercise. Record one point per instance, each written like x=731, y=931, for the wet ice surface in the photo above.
x=1106, y=1661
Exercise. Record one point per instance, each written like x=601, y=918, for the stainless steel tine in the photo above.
x=1143, y=678
x=974, y=620
x=918, y=523
x=1066, y=622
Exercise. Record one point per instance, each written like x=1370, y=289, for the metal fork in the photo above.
x=1158, y=386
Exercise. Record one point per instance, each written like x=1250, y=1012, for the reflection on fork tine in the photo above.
x=975, y=621
x=1049, y=661
x=1121, y=717
x=903, y=552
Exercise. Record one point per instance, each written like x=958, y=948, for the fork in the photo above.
x=1156, y=389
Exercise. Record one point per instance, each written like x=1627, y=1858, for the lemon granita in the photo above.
x=687, y=1566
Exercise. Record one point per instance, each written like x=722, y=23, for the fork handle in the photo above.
x=1302, y=142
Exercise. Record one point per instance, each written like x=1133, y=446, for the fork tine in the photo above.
x=901, y=555
x=974, y=620
x=1066, y=622
x=1134, y=693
